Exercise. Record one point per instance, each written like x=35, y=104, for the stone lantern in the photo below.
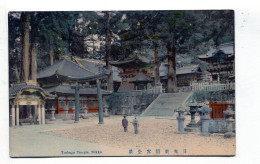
x=85, y=114
x=52, y=113
x=180, y=119
x=199, y=106
x=192, y=126
x=66, y=109
x=229, y=113
x=205, y=117
x=106, y=114
x=125, y=110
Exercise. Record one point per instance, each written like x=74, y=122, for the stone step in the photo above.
x=165, y=104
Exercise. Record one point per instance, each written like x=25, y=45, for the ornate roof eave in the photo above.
x=136, y=58
x=67, y=90
x=116, y=63
x=31, y=89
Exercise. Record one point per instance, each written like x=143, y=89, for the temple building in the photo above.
x=221, y=63
x=185, y=74
x=54, y=80
x=132, y=73
x=141, y=81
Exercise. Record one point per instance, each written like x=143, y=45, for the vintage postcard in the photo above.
x=122, y=83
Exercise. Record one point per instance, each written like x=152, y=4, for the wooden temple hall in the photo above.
x=221, y=60
x=62, y=88
x=132, y=74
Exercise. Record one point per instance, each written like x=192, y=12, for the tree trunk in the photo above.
x=172, y=80
x=33, y=62
x=16, y=73
x=108, y=53
x=25, y=46
x=156, y=65
x=51, y=57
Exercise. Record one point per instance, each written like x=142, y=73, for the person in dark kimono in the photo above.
x=136, y=125
x=125, y=123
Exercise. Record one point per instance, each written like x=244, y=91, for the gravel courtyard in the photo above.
x=157, y=136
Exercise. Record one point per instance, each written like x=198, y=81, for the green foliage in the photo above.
x=60, y=32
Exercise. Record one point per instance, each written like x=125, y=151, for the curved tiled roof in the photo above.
x=141, y=77
x=65, y=68
x=181, y=70
x=142, y=60
x=97, y=66
x=227, y=48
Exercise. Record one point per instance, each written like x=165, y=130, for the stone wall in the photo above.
x=219, y=126
x=132, y=102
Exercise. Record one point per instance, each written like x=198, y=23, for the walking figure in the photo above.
x=136, y=125
x=125, y=123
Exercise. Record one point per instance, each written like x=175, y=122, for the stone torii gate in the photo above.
x=79, y=80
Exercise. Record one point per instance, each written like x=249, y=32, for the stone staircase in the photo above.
x=165, y=104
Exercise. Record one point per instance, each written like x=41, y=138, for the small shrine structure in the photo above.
x=27, y=103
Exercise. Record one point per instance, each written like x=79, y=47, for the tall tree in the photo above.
x=25, y=46
x=176, y=30
x=152, y=34
x=14, y=46
x=108, y=52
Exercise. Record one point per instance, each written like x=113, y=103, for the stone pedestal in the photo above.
x=229, y=113
x=192, y=126
x=180, y=119
x=205, y=117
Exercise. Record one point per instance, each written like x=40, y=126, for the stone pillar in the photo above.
x=76, y=104
x=17, y=115
x=180, y=119
x=100, y=105
x=43, y=113
x=35, y=114
x=39, y=114
x=13, y=115
x=205, y=117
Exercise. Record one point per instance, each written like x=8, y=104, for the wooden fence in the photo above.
x=218, y=109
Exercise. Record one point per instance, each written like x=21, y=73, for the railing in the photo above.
x=153, y=90
x=196, y=86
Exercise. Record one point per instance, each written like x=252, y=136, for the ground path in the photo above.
x=157, y=136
